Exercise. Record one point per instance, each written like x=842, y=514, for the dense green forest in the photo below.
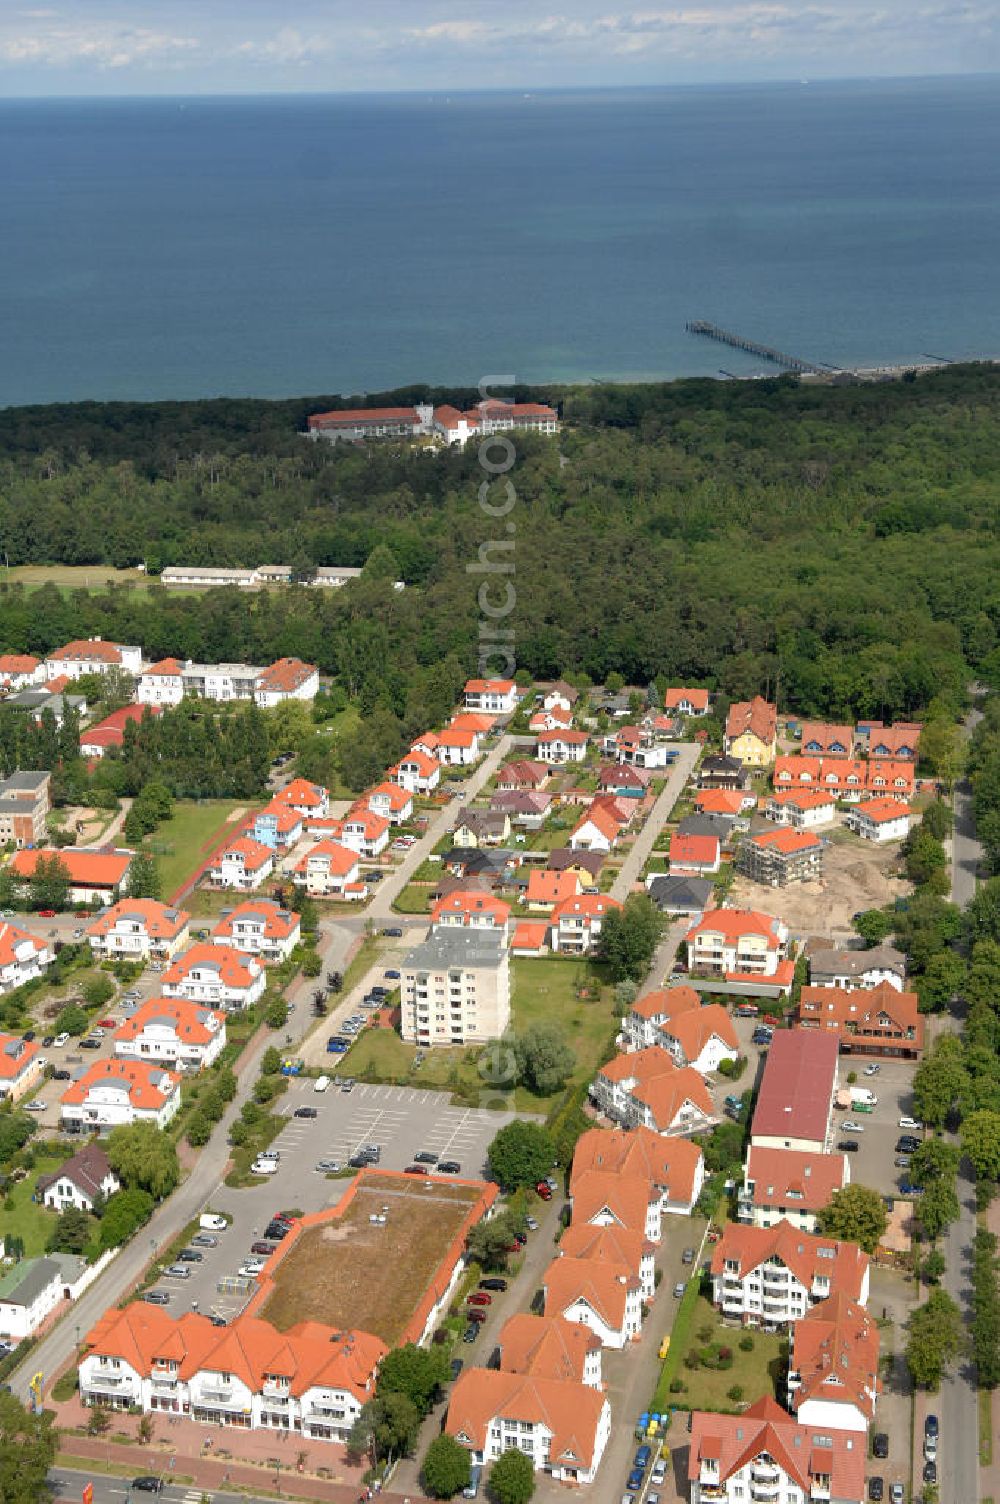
x=838, y=544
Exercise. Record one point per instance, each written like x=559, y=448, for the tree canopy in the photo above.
x=521, y=1154
x=855, y=1214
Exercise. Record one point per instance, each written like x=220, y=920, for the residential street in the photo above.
x=957, y=1403
x=677, y=777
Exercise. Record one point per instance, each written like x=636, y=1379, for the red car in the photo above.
x=474, y=1313
x=543, y=1190
x=480, y=1298
x=46, y=913
x=107, y=1023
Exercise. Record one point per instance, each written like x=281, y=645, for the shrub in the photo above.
x=735, y=1393
x=746, y=1344
x=692, y=1360
x=677, y=1386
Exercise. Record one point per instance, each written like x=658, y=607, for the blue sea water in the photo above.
x=279, y=245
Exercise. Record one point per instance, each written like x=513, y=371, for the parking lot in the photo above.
x=873, y=1165
x=401, y=1120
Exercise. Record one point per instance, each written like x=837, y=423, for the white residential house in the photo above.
x=604, y=1296
x=23, y=957
x=161, y=683
x=32, y=1290
x=173, y=1032
x=458, y=748
x=79, y=1182
x=417, y=773
x=577, y=923
x=20, y=671
x=365, y=832
x=244, y=865
x=392, y=801
x=92, y=656
x=562, y=1425
x=330, y=870
x=113, y=1093
x=216, y=976
x=880, y=820
x=134, y=929
x=771, y=1277
x=259, y=927
x=494, y=696
x=560, y=746
x=287, y=679
x=20, y=1066
x=764, y=1454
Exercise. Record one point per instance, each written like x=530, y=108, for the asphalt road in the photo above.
x=68, y=1486
x=633, y=864
x=957, y=1403
x=966, y=850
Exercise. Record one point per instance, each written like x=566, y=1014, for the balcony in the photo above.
x=108, y=1381
x=276, y=1392
x=213, y=1394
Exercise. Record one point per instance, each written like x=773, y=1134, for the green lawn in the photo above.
x=414, y=899
x=541, y=990
x=24, y=1218
x=758, y=1372
x=181, y=843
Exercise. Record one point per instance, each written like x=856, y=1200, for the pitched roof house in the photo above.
x=764, y=1450
x=772, y=1276
x=673, y=1167
x=674, y=1019
x=882, y=1022
x=833, y=1378
x=562, y=1425
x=789, y=1184
x=752, y=731
x=79, y=1182
x=648, y=1088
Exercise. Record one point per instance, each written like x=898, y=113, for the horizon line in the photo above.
x=525, y=90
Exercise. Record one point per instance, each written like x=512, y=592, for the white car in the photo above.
x=912, y=1124
x=850, y=1126
x=930, y=1448
x=248, y=1271
x=264, y=1167
x=871, y=1070
x=35, y=1106
x=60, y=1040
x=322, y=1083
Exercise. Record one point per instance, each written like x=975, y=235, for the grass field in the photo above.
x=758, y=1372
x=25, y=1218
x=542, y=990
x=349, y=1273
x=181, y=843
x=72, y=576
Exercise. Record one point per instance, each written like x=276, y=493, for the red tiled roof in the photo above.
x=551, y=887
x=835, y=1352
x=881, y=811
x=758, y=716
x=159, y=920
x=718, y=802
x=865, y=1014
x=669, y=1163
x=733, y=1441
x=795, y=1178
x=94, y=650
x=18, y=663
x=286, y=675
x=693, y=850
x=570, y=1411
x=807, y=1255
x=302, y=793
x=797, y=1086
x=546, y=1347
x=351, y=417
x=167, y=668
x=787, y=841
x=234, y=967
x=697, y=697
x=16, y=1054
x=731, y=924
x=87, y=869
x=149, y=1086
x=254, y=853
x=278, y=923
x=530, y=935
x=491, y=686
x=585, y=905
x=190, y=1021
x=338, y=859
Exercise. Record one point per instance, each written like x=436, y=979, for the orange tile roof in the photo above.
x=339, y=860
x=351, y=416
x=585, y=906
x=18, y=663
x=422, y=762
x=551, y=887
x=307, y=1355
x=806, y=1254
x=87, y=869
x=866, y=1015
x=694, y=1029
x=530, y=935
x=698, y=698
x=285, y=818
x=733, y=1441
x=278, y=923
x=559, y=734
x=786, y=840
x=286, y=675
x=668, y=1163
x=892, y=738
x=602, y=819
x=826, y=736
x=16, y=1054
x=802, y=798
x=758, y=716
x=149, y=1086
x=732, y=924
x=571, y=1412
x=303, y=793
x=794, y=1177
x=255, y=855
x=626, y=1198
x=490, y=686
x=371, y=824
x=396, y=798
x=159, y=920
x=546, y=1347
x=602, y=1285
x=718, y=802
x=666, y=1002
x=190, y=1021
x=524, y=772
x=11, y=938
x=472, y=720
x=883, y=774
x=57, y=685
x=835, y=1352
x=608, y=1245
x=468, y=902
x=234, y=967
x=452, y=738
x=167, y=668
x=695, y=851
x=94, y=650
x=881, y=811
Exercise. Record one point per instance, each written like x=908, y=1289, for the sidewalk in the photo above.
x=271, y=1462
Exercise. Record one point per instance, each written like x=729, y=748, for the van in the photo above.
x=212, y=1222
x=322, y=1082
x=642, y=1457
x=746, y=1010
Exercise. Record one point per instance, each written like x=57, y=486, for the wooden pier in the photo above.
x=766, y=352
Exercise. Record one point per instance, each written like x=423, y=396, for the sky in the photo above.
x=106, y=47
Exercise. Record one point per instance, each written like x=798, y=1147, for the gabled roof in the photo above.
x=801, y=1452
x=589, y=906
x=88, y=1169
x=562, y=736
x=148, y=1086
x=718, y=801
x=835, y=1352
x=693, y=850
x=191, y=1022
x=546, y=1347
x=13, y=939
x=733, y=924
x=338, y=860
x=91, y=650
x=488, y=686
x=601, y=1285
x=18, y=663
x=277, y=923
x=369, y=824
x=756, y=716
x=794, y=1177
x=284, y=818
x=302, y=793
x=420, y=762
x=601, y=818
x=470, y=902
x=666, y=1002
x=551, y=887
x=807, y=1255
x=874, y=1011
x=255, y=855
x=286, y=676
x=16, y=1054
x=697, y=698
x=797, y=1086
x=390, y=794
x=669, y=1164
x=167, y=668
x=882, y=811
x=87, y=869
x=564, y=857
x=235, y=968
x=786, y=841
x=570, y=1412
x=819, y=737
x=525, y=772
x=807, y=798
x=609, y=1245
x=624, y=1198
x=159, y=920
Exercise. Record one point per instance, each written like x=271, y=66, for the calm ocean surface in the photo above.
x=276, y=246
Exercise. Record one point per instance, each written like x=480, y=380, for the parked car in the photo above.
x=393, y=975
x=212, y=1222
x=416, y=1170
x=471, y=1332
x=931, y=1427
x=90, y=1043
x=687, y=1257
x=480, y=1298
x=276, y=1230
x=147, y=1484
x=641, y=1458
x=850, y=1126
x=875, y=1489
x=322, y=1083
x=457, y=1364
x=264, y=1167
x=635, y=1479
x=178, y=1271
x=329, y=1167
x=35, y=1106
x=264, y=1249
x=880, y=1444
x=902, y=1161
x=190, y=1256
x=157, y=1297
x=62, y=1075
x=493, y=1283
x=393, y=931
x=907, y=1144
x=60, y=1040
x=425, y=1157
x=930, y=1472
x=543, y=1191
x=347, y=1085
x=930, y=1448
x=306, y=1112
x=449, y=1167
x=908, y=1187
x=337, y=1045
x=871, y=1070
x=679, y=1289
x=848, y=1146
x=475, y=1314
x=659, y=1474
x=913, y=1124
x=204, y=1240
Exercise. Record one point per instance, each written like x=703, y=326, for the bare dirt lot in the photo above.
x=856, y=875
x=350, y=1272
